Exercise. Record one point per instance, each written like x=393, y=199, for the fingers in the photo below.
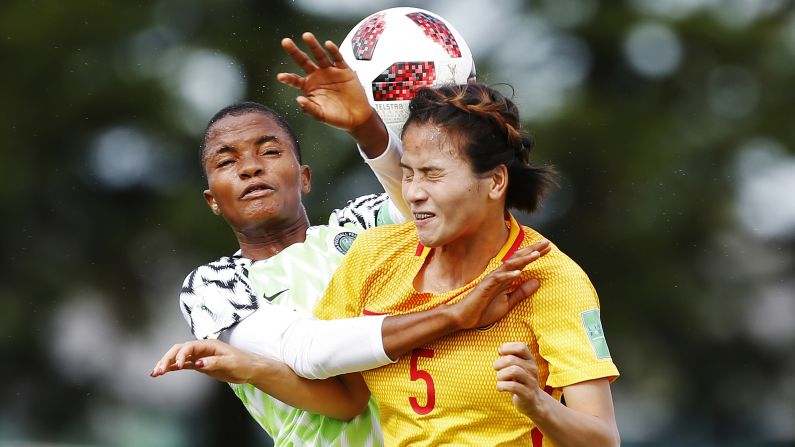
x=516, y=348
x=309, y=107
x=167, y=360
x=321, y=58
x=515, y=374
x=500, y=279
x=524, y=291
x=528, y=254
x=291, y=79
x=336, y=55
x=186, y=353
x=298, y=56
x=183, y=355
x=516, y=364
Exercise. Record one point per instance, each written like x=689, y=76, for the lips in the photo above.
x=420, y=216
x=255, y=190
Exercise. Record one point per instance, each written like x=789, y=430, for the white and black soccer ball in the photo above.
x=397, y=50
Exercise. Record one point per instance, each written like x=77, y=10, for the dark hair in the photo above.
x=490, y=132
x=242, y=108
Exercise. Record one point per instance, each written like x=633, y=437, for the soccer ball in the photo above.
x=397, y=50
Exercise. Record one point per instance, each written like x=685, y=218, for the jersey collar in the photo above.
x=515, y=238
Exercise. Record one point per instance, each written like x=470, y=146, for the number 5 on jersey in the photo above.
x=419, y=374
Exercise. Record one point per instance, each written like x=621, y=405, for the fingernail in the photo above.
x=200, y=363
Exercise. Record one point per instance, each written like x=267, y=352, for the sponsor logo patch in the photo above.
x=343, y=241
x=593, y=329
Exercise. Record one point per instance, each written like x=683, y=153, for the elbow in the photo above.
x=311, y=364
x=350, y=410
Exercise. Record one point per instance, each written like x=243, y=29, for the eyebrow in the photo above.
x=266, y=139
x=225, y=149
x=424, y=169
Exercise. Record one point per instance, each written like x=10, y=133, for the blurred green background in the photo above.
x=670, y=120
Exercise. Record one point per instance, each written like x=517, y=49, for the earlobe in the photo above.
x=210, y=199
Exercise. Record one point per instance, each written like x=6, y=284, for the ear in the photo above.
x=498, y=183
x=305, y=179
x=210, y=199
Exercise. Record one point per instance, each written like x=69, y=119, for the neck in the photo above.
x=453, y=265
x=270, y=239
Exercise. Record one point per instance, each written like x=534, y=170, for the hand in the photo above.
x=497, y=294
x=215, y=358
x=333, y=94
x=517, y=373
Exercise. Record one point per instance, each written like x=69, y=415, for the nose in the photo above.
x=249, y=166
x=413, y=191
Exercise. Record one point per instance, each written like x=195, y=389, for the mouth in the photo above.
x=422, y=216
x=255, y=190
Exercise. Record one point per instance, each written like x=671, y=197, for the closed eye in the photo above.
x=271, y=151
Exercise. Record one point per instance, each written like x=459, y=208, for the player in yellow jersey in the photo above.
x=465, y=163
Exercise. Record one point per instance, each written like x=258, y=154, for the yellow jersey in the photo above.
x=445, y=392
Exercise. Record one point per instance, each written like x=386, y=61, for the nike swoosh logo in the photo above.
x=273, y=297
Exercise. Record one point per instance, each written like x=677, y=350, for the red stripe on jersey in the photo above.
x=370, y=313
x=537, y=437
x=516, y=243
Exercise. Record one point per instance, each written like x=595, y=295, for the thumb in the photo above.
x=523, y=291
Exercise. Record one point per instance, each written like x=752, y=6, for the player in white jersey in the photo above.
x=252, y=162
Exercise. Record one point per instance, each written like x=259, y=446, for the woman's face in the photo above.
x=447, y=199
x=253, y=172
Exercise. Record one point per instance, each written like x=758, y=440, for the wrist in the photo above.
x=257, y=368
x=454, y=319
x=371, y=135
x=537, y=409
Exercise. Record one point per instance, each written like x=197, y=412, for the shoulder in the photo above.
x=362, y=211
x=214, y=296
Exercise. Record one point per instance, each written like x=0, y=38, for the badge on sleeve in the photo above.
x=593, y=329
x=344, y=240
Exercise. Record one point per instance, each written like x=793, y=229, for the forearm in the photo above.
x=567, y=427
x=371, y=135
x=402, y=333
x=318, y=349
x=332, y=397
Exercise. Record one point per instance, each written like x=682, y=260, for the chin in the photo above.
x=428, y=240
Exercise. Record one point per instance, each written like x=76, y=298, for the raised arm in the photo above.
x=332, y=94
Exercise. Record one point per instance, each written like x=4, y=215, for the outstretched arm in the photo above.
x=340, y=397
x=324, y=348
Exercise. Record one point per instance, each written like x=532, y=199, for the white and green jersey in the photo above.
x=218, y=295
